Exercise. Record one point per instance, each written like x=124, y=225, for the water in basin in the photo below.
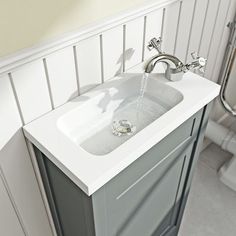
x=125, y=127
x=90, y=126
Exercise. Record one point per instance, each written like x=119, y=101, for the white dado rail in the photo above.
x=37, y=80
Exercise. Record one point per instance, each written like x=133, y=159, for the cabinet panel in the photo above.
x=146, y=207
x=9, y=224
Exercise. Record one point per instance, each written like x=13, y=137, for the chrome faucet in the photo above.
x=167, y=59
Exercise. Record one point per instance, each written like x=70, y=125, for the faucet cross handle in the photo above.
x=155, y=43
x=198, y=63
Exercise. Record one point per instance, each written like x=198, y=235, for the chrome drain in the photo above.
x=122, y=128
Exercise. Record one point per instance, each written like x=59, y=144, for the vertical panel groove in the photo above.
x=101, y=55
x=124, y=48
x=13, y=203
x=163, y=22
x=48, y=83
x=144, y=36
x=221, y=38
x=16, y=99
x=177, y=28
x=204, y=24
x=190, y=31
x=76, y=69
x=214, y=27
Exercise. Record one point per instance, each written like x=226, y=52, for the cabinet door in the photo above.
x=9, y=224
x=142, y=199
x=146, y=206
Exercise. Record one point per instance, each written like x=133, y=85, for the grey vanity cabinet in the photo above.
x=145, y=199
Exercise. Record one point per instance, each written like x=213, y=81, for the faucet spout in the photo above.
x=167, y=59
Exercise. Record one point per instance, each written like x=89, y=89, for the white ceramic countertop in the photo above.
x=90, y=172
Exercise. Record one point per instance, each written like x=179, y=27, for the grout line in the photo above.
x=124, y=47
x=144, y=36
x=203, y=28
x=101, y=57
x=13, y=203
x=221, y=38
x=48, y=83
x=190, y=31
x=40, y=185
x=177, y=27
x=76, y=70
x=16, y=98
x=212, y=33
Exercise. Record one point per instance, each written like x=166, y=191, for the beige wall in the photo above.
x=24, y=23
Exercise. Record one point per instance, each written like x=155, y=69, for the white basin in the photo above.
x=90, y=126
x=77, y=136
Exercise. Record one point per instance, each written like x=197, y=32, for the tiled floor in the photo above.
x=211, y=207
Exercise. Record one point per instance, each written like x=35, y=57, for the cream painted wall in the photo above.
x=24, y=23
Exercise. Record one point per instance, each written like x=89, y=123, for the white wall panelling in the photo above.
x=184, y=31
x=223, y=42
x=220, y=24
x=62, y=76
x=112, y=47
x=17, y=168
x=209, y=26
x=197, y=26
x=170, y=28
x=134, y=35
x=219, y=112
x=89, y=63
x=9, y=224
x=153, y=28
x=46, y=77
x=10, y=120
x=32, y=91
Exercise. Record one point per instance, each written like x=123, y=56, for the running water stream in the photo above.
x=123, y=126
x=142, y=90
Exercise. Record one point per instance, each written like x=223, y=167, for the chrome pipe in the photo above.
x=227, y=67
